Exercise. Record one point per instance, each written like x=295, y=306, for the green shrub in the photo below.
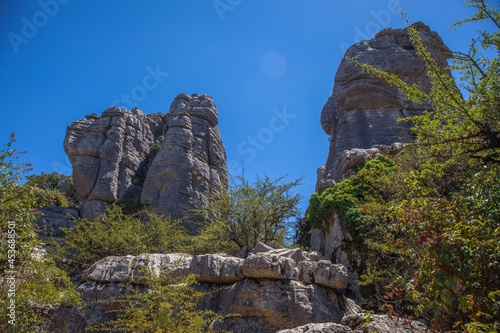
x=346, y=197
x=154, y=150
x=55, y=182
x=38, y=282
x=453, y=244
x=47, y=197
x=117, y=234
x=167, y=304
x=248, y=213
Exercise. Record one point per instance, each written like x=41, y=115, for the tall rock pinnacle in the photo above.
x=109, y=155
x=363, y=110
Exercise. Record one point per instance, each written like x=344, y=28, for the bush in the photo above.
x=38, y=282
x=453, y=245
x=246, y=214
x=345, y=198
x=116, y=234
x=55, y=186
x=167, y=304
x=154, y=150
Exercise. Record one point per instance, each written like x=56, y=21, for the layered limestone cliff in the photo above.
x=362, y=113
x=112, y=160
x=361, y=117
x=268, y=289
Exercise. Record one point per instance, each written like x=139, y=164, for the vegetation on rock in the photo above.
x=248, y=213
x=438, y=218
x=168, y=304
x=115, y=233
x=29, y=279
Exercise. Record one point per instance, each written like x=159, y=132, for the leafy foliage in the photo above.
x=437, y=219
x=167, y=304
x=117, y=234
x=38, y=282
x=153, y=151
x=248, y=213
x=345, y=198
x=56, y=188
x=453, y=244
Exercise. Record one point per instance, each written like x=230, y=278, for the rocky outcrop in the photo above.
x=361, y=117
x=264, y=303
x=191, y=163
x=357, y=323
x=109, y=155
x=363, y=110
x=54, y=219
x=270, y=290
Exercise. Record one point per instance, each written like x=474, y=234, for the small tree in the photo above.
x=249, y=213
x=449, y=224
x=29, y=279
x=166, y=304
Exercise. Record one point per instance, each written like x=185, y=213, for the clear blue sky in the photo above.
x=256, y=58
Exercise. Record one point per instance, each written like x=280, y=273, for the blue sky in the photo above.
x=269, y=65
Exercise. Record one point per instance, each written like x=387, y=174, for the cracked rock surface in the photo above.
x=363, y=110
x=109, y=155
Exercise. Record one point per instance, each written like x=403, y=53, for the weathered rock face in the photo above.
x=339, y=247
x=363, y=111
x=109, y=155
x=356, y=323
x=191, y=164
x=266, y=298
x=54, y=218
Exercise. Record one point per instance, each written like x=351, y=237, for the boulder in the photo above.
x=357, y=323
x=130, y=269
x=269, y=266
x=324, y=273
x=216, y=268
x=383, y=324
x=266, y=305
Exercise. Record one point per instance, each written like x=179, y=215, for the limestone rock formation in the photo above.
x=356, y=323
x=191, y=163
x=363, y=111
x=54, y=218
x=266, y=299
x=109, y=155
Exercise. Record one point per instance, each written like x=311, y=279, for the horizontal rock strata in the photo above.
x=363, y=110
x=265, y=289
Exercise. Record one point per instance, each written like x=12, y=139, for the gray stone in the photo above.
x=54, y=218
x=324, y=273
x=216, y=268
x=261, y=247
x=191, y=164
x=319, y=328
x=269, y=266
x=262, y=289
x=383, y=324
x=267, y=305
x=64, y=318
x=130, y=269
x=338, y=246
x=363, y=111
x=109, y=155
